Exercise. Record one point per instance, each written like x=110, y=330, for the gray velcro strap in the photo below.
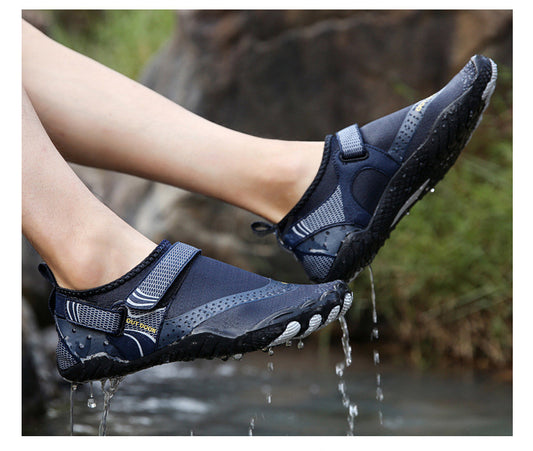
x=157, y=282
x=351, y=142
x=90, y=316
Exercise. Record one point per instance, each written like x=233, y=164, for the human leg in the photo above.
x=334, y=227
x=122, y=304
x=84, y=243
x=99, y=118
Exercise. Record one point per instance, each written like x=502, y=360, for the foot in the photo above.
x=371, y=176
x=180, y=305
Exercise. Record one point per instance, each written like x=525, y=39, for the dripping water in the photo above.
x=339, y=369
x=267, y=389
x=373, y=337
x=108, y=392
x=91, y=403
x=251, y=426
x=73, y=388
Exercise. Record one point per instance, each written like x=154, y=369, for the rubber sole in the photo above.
x=418, y=175
x=284, y=326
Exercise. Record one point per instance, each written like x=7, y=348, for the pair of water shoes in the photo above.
x=180, y=305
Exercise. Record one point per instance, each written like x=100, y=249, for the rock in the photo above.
x=301, y=75
x=40, y=380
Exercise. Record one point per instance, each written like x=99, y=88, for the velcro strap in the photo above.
x=351, y=142
x=90, y=316
x=157, y=282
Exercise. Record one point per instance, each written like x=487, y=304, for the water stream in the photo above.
x=374, y=337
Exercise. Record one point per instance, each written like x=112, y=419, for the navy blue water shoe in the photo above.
x=371, y=176
x=180, y=305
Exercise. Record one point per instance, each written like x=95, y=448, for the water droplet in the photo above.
x=251, y=427
x=237, y=356
x=91, y=403
x=270, y=366
x=432, y=190
x=300, y=344
x=375, y=334
x=339, y=369
x=106, y=342
x=270, y=351
x=269, y=398
x=81, y=345
x=73, y=388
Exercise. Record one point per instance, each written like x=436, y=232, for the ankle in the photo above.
x=292, y=171
x=100, y=260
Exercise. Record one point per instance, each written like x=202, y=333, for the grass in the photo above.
x=122, y=40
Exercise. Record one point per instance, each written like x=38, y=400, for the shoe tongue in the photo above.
x=381, y=132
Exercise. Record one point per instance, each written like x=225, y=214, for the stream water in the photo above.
x=293, y=392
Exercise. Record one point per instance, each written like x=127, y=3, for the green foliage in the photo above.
x=121, y=39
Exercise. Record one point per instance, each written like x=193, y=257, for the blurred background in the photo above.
x=443, y=281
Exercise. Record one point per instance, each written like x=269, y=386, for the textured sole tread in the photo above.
x=209, y=345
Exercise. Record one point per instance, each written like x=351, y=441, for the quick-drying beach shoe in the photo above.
x=180, y=305
x=370, y=176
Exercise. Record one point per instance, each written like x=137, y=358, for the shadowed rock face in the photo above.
x=302, y=74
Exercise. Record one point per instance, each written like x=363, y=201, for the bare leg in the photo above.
x=84, y=243
x=100, y=118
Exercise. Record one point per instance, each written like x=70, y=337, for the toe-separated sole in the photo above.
x=313, y=315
